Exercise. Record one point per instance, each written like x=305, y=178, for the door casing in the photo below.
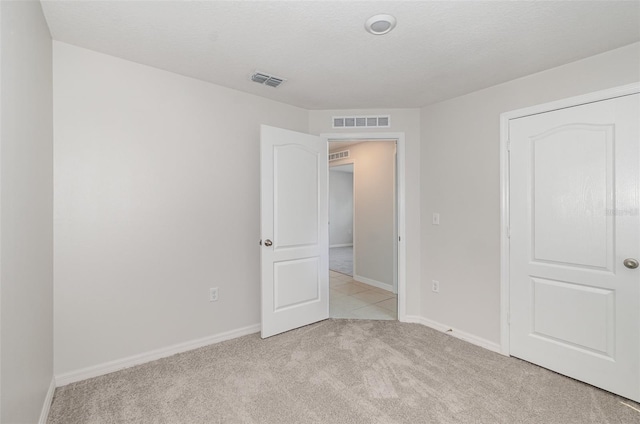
x=505, y=186
x=401, y=203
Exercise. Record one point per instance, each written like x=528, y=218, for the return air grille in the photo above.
x=362, y=121
x=266, y=79
x=338, y=155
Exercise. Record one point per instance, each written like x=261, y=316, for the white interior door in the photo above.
x=294, y=226
x=574, y=304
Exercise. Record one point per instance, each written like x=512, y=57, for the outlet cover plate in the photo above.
x=435, y=286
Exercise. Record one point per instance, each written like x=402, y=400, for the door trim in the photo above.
x=505, y=246
x=401, y=206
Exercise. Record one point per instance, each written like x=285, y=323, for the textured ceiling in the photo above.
x=438, y=50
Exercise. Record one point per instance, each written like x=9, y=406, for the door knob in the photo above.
x=631, y=263
x=268, y=243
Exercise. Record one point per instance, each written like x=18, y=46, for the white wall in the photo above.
x=407, y=121
x=146, y=218
x=156, y=200
x=340, y=208
x=26, y=225
x=374, y=179
x=460, y=180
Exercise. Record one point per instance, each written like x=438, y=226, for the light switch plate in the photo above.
x=213, y=294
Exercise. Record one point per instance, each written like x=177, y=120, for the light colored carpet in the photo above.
x=339, y=371
x=341, y=260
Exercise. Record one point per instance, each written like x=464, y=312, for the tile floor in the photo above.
x=351, y=299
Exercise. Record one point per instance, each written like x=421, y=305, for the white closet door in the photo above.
x=575, y=238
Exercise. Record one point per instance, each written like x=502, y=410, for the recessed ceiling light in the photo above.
x=380, y=24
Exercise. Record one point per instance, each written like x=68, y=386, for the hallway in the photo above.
x=351, y=299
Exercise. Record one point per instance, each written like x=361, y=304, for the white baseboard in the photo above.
x=374, y=283
x=341, y=245
x=46, y=406
x=119, y=364
x=467, y=337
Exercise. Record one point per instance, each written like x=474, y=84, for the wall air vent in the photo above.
x=362, y=121
x=266, y=79
x=338, y=155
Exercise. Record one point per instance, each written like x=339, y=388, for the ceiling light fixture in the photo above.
x=380, y=24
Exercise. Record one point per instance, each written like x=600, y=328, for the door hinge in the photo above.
x=260, y=242
x=399, y=239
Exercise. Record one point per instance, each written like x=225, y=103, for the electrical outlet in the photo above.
x=435, y=286
x=213, y=294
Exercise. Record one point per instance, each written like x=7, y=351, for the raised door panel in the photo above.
x=575, y=316
x=296, y=283
x=296, y=196
x=572, y=191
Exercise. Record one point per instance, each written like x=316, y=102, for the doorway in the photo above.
x=363, y=228
x=294, y=228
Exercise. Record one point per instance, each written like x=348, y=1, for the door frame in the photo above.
x=505, y=246
x=399, y=137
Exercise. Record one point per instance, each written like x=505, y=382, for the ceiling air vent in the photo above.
x=266, y=79
x=362, y=121
x=338, y=155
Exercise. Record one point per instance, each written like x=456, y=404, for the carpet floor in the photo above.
x=341, y=260
x=339, y=371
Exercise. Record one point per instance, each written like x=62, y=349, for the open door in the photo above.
x=294, y=228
